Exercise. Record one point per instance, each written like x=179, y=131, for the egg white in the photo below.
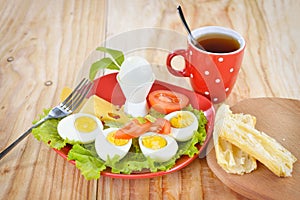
x=106, y=149
x=66, y=129
x=186, y=133
x=159, y=155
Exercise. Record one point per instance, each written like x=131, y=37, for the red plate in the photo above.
x=108, y=88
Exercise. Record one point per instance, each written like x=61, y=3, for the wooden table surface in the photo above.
x=43, y=45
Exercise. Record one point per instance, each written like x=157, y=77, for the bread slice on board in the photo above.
x=240, y=132
x=231, y=158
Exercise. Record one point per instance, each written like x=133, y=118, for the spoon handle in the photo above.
x=193, y=40
x=183, y=19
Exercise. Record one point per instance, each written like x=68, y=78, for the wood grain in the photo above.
x=48, y=41
x=44, y=41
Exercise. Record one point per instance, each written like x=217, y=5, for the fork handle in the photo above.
x=12, y=145
x=17, y=141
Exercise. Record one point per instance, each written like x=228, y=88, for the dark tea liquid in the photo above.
x=218, y=43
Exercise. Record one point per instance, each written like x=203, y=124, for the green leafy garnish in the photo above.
x=118, y=56
x=85, y=155
x=131, y=162
x=141, y=120
x=104, y=63
x=150, y=118
x=113, y=63
x=89, y=165
x=202, y=121
x=47, y=132
x=155, y=113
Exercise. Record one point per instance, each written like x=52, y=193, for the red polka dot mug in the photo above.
x=213, y=69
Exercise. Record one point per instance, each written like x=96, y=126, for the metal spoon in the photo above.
x=194, y=41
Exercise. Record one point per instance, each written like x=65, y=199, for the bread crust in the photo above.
x=239, y=130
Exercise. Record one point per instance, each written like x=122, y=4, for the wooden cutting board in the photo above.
x=279, y=118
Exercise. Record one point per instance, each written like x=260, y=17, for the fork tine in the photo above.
x=82, y=82
x=77, y=97
x=80, y=95
x=79, y=100
x=74, y=94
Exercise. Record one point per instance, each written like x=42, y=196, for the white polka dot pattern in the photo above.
x=217, y=80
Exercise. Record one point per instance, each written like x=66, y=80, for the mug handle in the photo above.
x=181, y=73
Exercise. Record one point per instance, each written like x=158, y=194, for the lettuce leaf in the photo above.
x=202, y=121
x=89, y=165
x=130, y=163
x=47, y=132
x=136, y=161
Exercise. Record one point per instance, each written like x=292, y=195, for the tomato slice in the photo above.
x=165, y=101
x=161, y=125
x=132, y=129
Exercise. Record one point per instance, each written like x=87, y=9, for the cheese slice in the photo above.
x=256, y=143
x=231, y=158
x=105, y=111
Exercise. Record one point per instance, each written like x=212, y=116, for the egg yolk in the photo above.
x=118, y=142
x=182, y=120
x=85, y=124
x=154, y=142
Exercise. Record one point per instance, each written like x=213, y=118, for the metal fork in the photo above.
x=62, y=110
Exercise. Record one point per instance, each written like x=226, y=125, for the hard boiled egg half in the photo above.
x=108, y=146
x=158, y=147
x=183, y=125
x=80, y=127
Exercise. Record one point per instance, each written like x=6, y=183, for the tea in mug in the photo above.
x=218, y=43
